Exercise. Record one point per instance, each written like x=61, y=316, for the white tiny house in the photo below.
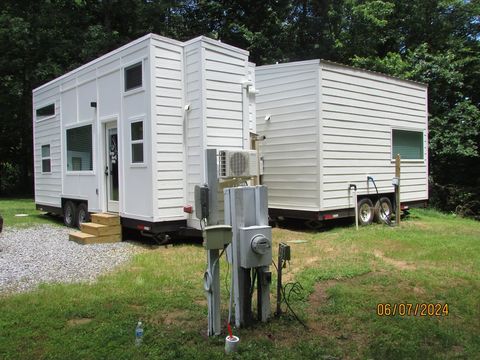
x=329, y=126
x=127, y=132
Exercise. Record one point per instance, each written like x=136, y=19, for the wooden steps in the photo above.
x=104, y=228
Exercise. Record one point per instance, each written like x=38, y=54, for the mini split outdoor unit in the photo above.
x=235, y=164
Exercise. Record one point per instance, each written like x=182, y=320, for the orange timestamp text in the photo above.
x=411, y=309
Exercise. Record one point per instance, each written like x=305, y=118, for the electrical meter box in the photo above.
x=255, y=246
x=217, y=236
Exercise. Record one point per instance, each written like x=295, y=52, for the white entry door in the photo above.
x=111, y=168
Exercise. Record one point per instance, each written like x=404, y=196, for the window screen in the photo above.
x=48, y=110
x=46, y=161
x=79, y=149
x=409, y=144
x=137, y=141
x=133, y=76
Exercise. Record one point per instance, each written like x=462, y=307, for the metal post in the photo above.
x=397, y=190
x=213, y=292
x=279, y=283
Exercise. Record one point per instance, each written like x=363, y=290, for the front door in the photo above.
x=111, y=168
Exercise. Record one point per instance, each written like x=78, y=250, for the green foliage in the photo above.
x=436, y=42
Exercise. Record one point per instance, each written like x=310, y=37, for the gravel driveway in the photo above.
x=43, y=254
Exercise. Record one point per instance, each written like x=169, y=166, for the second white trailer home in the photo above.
x=329, y=126
x=127, y=132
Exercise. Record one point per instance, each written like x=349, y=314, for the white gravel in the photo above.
x=43, y=254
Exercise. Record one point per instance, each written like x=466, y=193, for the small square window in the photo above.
x=46, y=160
x=136, y=136
x=45, y=111
x=409, y=144
x=137, y=130
x=133, y=76
x=137, y=153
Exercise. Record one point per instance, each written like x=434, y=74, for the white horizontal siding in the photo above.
x=224, y=113
x=169, y=135
x=194, y=118
x=290, y=97
x=358, y=111
x=48, y=186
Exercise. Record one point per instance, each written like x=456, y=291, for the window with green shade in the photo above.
x=407, y=143
x=136, y=131
x=79, y=149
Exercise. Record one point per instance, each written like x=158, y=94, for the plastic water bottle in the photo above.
x=139, y=334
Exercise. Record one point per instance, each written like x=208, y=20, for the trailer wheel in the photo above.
x=69, y=215
x=82, y=214
x=383, y=210
x=365, y=212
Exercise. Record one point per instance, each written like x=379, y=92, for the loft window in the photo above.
x=137, y=142
x=79, y=149
x=409, y=144
x=133, y=76
x=45, y=111
x=46, y=160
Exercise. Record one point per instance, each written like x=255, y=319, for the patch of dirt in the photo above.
x=78, y=321
x=399, y=264
x=201, y=302
x=173, y=317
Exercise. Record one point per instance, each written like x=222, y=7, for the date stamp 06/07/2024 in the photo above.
x=411, y=309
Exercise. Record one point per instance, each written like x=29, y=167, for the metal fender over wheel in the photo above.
x=365, y=212
x=69, y=214
x=383, y=210
x=82, y=214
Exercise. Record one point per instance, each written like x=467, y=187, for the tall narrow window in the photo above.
x=133, y=76
x=45, y=111
x=79, y=149
x=46, y=160
x=137, y=141
x=409, y=144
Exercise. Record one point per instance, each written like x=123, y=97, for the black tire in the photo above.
x=69, y=214
x=366, y=212
x=82, y=214
x=383, y=210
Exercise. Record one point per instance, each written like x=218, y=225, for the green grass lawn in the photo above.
x=431, y=258
x=11, y=207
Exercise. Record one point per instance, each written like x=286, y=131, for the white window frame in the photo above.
x=132, y=142
x=49, y=157
x=80, y=172
x=43, y=118
x=419, y=130
x=125, y=67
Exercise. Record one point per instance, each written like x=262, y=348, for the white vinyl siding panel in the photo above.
x=168, y=134
x=224, y=114
x=194, y=118
x=290, y=97
x=48, y=186
x=331, y=126
x=358, y=111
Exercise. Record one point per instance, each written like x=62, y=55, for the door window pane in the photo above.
x=79, y=149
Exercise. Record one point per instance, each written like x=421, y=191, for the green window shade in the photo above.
x=79, y=149
x=409, y=144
